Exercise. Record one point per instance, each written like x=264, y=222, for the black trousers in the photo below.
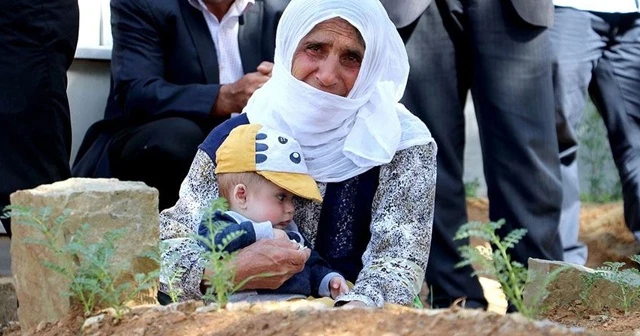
x=485, y=47
x=158, y=153
x=37, y=43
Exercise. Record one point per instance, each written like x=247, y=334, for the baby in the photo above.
x=259, y=170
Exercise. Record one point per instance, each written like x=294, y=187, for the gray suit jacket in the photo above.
x=535, y=12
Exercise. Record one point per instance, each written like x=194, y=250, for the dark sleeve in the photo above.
x=248, y=238
x=294, y=236
x=137, y=67
x=319, y=269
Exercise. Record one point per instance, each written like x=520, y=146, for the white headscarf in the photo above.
x=341, y=137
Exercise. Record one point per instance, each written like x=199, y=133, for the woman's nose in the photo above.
x=327, y=73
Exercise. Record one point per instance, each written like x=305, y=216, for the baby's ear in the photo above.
x=240, y=195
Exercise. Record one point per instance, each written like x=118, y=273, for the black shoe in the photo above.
x=473, y=304
x=164, y=299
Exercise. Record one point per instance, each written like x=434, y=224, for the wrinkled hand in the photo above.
x=338, y=286
x=280, y=234
x=233, y=97
x=279, y=258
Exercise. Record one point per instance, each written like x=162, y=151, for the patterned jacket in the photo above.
x=374, y=228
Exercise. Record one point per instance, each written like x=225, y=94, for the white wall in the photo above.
x=89, y=74
x=95, y=26
x=87, y=90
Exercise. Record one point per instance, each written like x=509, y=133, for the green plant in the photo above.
x=588, y=280
x=627, y=280
x=172, y=274
x=595, y=160
x=497, y=264
x=89, y=267
x=221, y=275
x=471, y=187
x=511, y=275
x=417, y=303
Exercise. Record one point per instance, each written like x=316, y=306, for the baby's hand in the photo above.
x=280, y=234
x=338, y=286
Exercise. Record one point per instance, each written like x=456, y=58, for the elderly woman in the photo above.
x=340, y=69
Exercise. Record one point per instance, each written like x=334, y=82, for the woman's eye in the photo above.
x=313, y=47
x=352, y=61
x=281, y=197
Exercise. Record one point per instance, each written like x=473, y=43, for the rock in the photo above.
x=186, y=307
x=142, y=309
x=108, y=312
x=236, y=306
x=106, y=205
x=293, y=306
x=212, y=307
x=8, y=302
x=93, y=323
x=42, y=326
x=547, y=288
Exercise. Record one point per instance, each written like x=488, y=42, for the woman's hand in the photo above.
x=279, y=258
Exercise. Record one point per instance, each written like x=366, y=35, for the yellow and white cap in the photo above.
x=270, y=153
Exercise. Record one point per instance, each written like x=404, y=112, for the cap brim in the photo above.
x=301, y=185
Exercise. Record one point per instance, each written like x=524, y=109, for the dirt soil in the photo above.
x=608, y=321
x=287, y=320
x=602, y=229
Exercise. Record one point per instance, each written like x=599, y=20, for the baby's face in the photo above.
x=268, y=202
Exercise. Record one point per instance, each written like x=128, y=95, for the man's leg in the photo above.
x=158, y=153
x=615, y=90
x=436, y=93
x=37, y=44
x=513, y=96
x=577, y=39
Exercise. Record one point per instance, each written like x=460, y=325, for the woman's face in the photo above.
x=329, y=57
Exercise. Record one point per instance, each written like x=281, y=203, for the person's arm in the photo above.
x=182, y=255
x=247, y=234
x=396, y=257
x=269, y=262
x=321, y=275
x=138, y=69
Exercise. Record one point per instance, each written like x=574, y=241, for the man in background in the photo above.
x=596, y=49
x=178, y=68
x=37, y=43
x=500, y=51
